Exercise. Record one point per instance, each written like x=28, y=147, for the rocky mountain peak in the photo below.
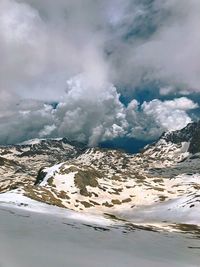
x=191, y=134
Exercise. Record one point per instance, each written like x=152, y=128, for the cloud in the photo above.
x=47, y=130
x=87, y=113
x=162, y=44
x=40, y=49
x=43, y=43
x=79, y=56
x=92, y=114
x=171, y=114
x=149, y=120
x=24, y=120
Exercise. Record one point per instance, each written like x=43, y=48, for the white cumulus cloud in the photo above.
x=170, y=114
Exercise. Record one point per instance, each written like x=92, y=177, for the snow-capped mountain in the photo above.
x=20, y=164
x=191, y=134
x=161, y=183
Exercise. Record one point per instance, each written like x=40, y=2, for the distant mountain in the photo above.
x=160, y=183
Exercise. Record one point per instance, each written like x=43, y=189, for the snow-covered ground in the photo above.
x=30, y=239
x=174, y=211
x=17, y=201
x=161, y=215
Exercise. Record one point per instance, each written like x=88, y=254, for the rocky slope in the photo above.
x=160, y=183
x=20, y=164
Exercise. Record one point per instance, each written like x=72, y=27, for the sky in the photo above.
x=98, y=71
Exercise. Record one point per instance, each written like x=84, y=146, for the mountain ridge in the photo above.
x=164, y=176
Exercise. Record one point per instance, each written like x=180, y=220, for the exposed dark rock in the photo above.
x=40, y=177
x=191, y=133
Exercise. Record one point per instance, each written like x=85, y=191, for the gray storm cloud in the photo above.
x=73, y=53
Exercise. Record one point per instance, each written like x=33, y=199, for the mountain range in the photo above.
x=159, y=184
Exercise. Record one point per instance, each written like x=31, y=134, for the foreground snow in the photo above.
x=40, y=239
x=14, y=199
